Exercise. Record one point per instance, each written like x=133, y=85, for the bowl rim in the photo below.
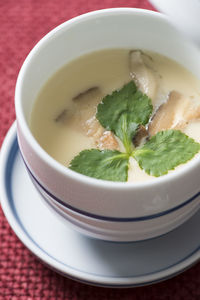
x=186, y=169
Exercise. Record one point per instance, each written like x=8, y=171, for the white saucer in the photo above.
x=81, y=258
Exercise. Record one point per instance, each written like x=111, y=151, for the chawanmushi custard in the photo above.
x=120, y=115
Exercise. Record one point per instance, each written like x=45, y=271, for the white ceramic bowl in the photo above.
x=104, y=209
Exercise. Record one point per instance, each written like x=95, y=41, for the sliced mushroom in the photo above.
x=85, y=104
x=142, y=73
x=65, y=116
x=84, y=95
x=84, y=107
x=62, y=116
x=81, y=116
x=140, y=136
x=175, y=113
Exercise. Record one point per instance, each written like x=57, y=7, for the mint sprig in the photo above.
x=165, y=151
x=122, y=112
x=106, y=164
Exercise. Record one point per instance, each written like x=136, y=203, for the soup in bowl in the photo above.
x=107, y=109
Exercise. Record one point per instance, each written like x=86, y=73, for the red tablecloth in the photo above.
x=22, y=24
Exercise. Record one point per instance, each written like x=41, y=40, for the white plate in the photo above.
x=76, y=256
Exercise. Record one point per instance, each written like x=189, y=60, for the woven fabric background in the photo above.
x=22, y=24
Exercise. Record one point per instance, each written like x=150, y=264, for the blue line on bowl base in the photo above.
x=108, y=218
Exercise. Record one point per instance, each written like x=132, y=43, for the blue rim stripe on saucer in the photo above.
x=108, y=218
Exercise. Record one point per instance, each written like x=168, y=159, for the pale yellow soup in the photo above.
x=67, y=102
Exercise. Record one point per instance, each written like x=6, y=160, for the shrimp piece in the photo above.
x=103, y=139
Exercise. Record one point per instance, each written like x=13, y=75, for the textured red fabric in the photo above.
x=22, y=276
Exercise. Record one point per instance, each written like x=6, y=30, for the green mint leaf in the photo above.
x=106, y=164
x=164, y=151
x=126, y=130
x=123, y=111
